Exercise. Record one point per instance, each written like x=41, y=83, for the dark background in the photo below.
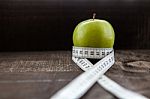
x=41, y=25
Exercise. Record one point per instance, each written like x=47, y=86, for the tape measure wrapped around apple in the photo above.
x=97, y=36
x=93, y=39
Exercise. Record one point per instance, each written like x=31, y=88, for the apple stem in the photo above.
x=94, y=14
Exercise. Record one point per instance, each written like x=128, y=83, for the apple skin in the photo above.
x=94, y=33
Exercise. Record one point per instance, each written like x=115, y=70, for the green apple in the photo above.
x=94, y=33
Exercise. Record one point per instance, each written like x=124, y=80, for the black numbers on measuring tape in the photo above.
x=112, y=58
x=97, y=53
x=87, y=66
x=107, y=53
x=73, y=51
x=80, y=61
x=106, y=62
x=92, y=53
x=102, y=66
x=99, y=68
x=84, y=64
x=77, y=59
x=86, y=52
x=109, y=60
x=81, y=52
x=97, y=71
x=76, y=51
x=103, y=53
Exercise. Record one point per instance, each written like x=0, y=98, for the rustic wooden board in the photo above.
x=38, y=75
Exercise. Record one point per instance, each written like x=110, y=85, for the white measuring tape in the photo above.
x=94, y=73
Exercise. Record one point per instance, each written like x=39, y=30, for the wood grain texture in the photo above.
x=38, y=75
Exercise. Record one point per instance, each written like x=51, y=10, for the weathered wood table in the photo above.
x=38, y=75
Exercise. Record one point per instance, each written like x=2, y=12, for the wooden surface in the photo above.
x=38, y=75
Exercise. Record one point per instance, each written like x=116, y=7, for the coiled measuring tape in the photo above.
x=93, y=73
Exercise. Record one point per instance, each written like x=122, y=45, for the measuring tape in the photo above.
x=94, y=73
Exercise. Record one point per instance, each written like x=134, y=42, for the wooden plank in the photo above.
x=38, y=85
x=38, y=75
